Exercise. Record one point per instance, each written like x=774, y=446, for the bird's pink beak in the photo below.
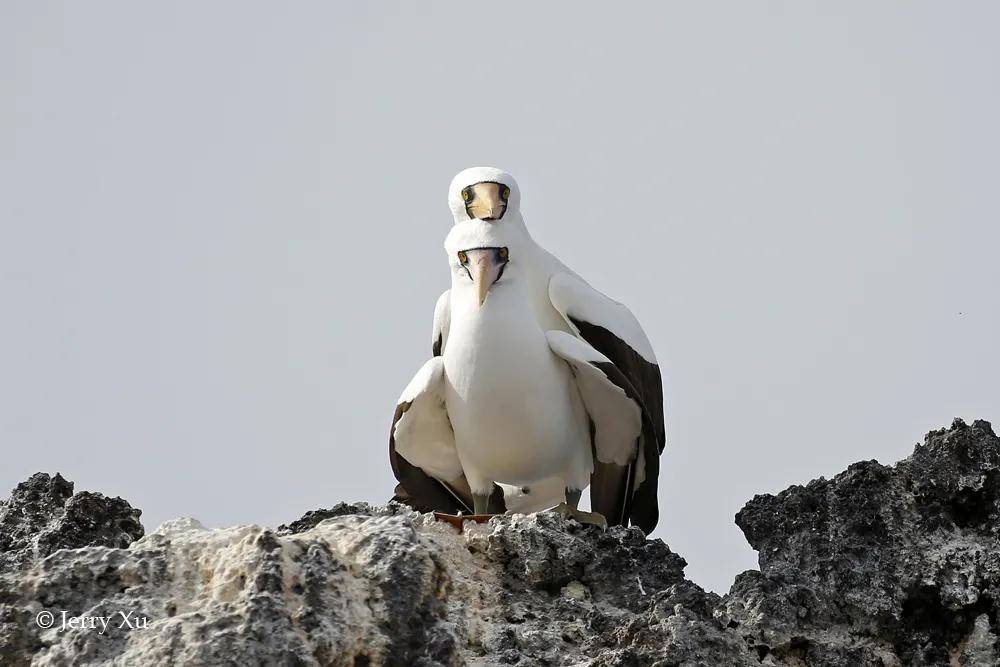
x=485, y=266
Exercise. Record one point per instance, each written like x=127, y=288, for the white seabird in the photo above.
x=499, y=365
x=509, y=403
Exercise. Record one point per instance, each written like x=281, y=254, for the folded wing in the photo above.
x=422, y=449
x=611, y=329
x=422, y=446
x=617, y=423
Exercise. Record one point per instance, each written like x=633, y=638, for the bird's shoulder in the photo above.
x=442, y=323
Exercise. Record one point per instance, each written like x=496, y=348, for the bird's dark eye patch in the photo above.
x=467, y=195
x=505, y=193
x=463, y=257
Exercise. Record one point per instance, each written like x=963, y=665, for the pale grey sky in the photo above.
x=221, y=229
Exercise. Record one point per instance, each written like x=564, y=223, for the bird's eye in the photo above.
x=504, y=253
x=462, y=257
x=466, y=195
x=505, y=194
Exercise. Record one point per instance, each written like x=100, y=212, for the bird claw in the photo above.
x=587, y=518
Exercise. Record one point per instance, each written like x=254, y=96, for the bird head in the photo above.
x=483, y=267
x=483, y=193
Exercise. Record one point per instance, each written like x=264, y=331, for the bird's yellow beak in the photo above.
x=486, y=201
x=484, y=266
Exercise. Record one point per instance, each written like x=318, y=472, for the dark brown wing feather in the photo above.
x=641, y=381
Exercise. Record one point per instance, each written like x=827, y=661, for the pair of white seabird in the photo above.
x=539, y=385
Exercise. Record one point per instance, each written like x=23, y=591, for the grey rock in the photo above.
x=880, y=565
x=43, y=515
x=877, y=566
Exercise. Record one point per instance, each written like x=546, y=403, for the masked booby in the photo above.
x=600, y=335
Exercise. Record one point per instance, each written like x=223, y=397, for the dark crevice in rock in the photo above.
x=971, y=507
x=930, y=631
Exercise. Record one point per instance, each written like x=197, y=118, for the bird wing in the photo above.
x=442, y=322
x=613, y=330
x=618, y=425
x=422, y=446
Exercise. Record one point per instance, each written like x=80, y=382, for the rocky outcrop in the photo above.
x=877, y=566
x=43, y=515
x=880, y=565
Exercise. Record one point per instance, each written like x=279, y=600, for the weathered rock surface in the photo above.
x=880, y=565
x=43, y=515
x=877, y=566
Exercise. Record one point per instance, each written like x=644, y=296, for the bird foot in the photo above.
x=589, y=518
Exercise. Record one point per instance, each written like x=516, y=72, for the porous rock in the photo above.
x=877, y=566
x=880, y=565
x=43, y=515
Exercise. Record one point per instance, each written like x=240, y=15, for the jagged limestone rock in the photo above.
x=43, y=515
x=378, y=586
x=877, y=566
x=880, y=565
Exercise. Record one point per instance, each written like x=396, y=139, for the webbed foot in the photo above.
x=589, y=518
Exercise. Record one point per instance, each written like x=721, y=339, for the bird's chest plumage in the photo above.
x=515, y=410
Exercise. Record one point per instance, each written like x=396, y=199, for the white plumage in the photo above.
x=516, y=414
x=528, y=401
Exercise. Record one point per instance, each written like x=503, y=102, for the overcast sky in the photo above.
x=221, y=229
